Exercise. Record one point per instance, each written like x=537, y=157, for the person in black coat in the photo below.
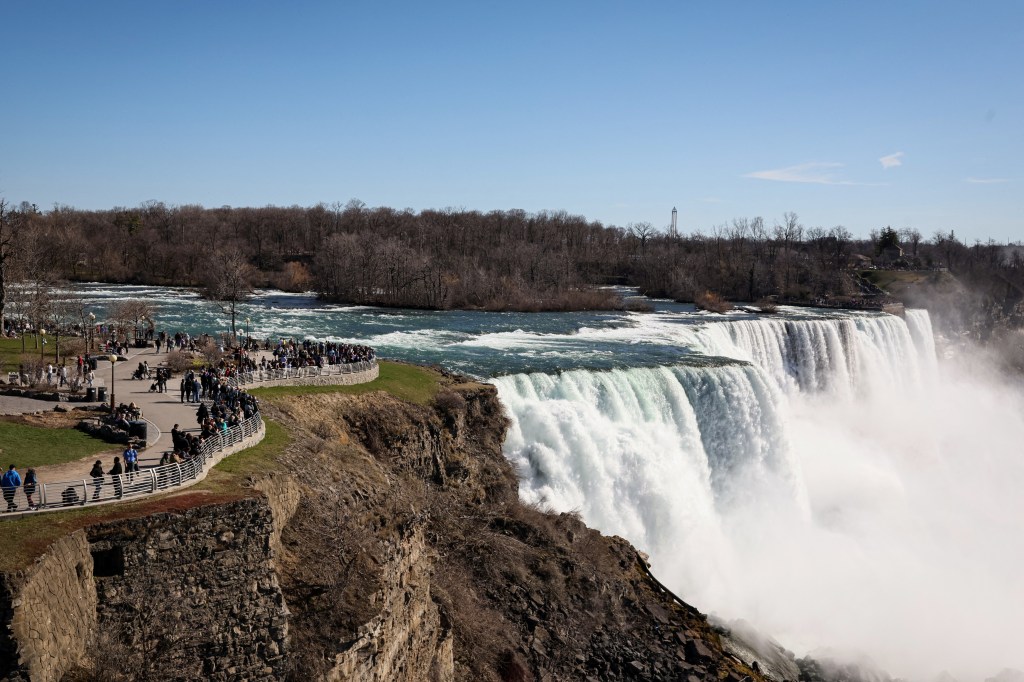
x=97, y=478
x=116, y=472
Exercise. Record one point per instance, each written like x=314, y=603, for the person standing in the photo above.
x=30, y=485
x=97, y=478
x=10, y=482
x=115, y=472
x=131, y=461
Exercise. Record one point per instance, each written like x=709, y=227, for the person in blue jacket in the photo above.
x=10, y=482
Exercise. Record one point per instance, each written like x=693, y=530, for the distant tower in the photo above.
x=674, y=230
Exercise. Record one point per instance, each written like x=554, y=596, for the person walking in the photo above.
x=30, y=485
x=10, y=482
x=97, y=478
x=115, y=472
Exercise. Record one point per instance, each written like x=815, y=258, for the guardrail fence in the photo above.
x=245, y=378
x=88, y=490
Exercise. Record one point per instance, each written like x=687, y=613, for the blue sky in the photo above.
x=865, y=114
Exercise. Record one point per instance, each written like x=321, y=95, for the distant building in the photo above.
x=673, y=230
x=891, y=254
x=859, y=261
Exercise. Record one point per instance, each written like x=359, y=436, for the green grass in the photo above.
x=896, y=282
x=407, y=382
x=11, y=355
x=232, y=473
x=33, y=446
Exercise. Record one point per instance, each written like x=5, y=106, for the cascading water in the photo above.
x=826, y=483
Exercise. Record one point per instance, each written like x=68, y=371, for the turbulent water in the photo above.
x=816, y=473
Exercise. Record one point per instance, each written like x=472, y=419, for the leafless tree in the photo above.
x=228, y=281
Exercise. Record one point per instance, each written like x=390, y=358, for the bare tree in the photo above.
x=9, y=224
x=228, y=281
x=131, y=315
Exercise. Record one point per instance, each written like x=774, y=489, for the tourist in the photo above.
x=31, y=482
x=97, y=478
x=115, y=472
x=131, y=461
x=10, y=482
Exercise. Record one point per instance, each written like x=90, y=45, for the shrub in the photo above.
x=767, y=306
x=712, y=302
x=177, y=361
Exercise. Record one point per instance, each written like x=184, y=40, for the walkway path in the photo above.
x=162, y=411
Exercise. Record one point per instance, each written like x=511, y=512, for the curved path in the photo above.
x=163, y=411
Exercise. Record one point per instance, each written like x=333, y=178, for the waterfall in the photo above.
x=837, y=356
x=818, y=474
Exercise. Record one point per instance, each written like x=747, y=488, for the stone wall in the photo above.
x=193, y=595
x=410, y=640
x=52, y=612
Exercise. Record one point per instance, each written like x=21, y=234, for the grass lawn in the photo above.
x=408, y=382
x=31, y=446
x=233, y=471
x=898, y=281
x=10, y=351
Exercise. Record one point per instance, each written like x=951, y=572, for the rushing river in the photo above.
x=817, y=473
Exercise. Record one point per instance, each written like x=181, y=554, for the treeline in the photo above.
x=458, y=259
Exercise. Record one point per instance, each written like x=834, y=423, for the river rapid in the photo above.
x=818, y=473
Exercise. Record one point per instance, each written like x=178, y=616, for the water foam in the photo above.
x=837, y=490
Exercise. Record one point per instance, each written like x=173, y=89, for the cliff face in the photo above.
x=526, y=594
x=170, y=596
x=388, y=544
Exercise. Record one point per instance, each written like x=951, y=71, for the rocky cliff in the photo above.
x=386, y=542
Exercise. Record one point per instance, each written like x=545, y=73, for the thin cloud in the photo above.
x=891, y=160
x=986, y=181
x=816, y=173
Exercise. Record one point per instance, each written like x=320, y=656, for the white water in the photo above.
x=838, y=491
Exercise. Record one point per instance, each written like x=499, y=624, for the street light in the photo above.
x=247, y=321
x=113, y=359
x=92, y=328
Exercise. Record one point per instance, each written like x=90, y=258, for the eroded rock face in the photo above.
x=51, y=613
x=528, y=595
x=409, y=639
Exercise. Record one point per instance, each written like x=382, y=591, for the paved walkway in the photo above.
x=161, y=410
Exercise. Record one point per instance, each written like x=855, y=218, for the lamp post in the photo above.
x=247, y=320
x=92, y=328
x=113, y=359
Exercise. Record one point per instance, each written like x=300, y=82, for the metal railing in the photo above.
x=64, y=494
x=257, y=376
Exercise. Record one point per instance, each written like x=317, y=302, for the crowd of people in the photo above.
x=309, y=353
x=221, y=406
